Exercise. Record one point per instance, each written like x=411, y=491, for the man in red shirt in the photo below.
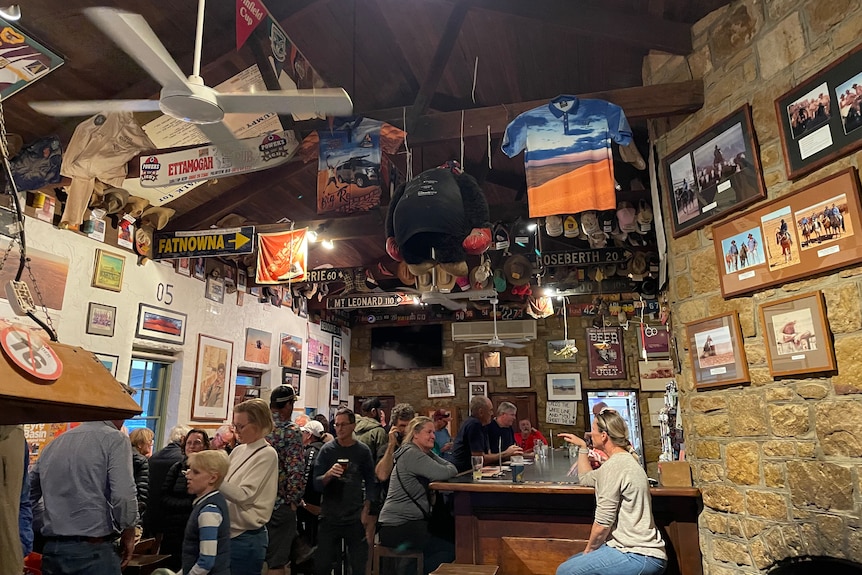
x=528, y=436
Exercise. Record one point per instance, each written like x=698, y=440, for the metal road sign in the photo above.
x=203, y=243
x=586, y=258
x=369, y=300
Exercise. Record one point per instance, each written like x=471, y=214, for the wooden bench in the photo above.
x=465, y=569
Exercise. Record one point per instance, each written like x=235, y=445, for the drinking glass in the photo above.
x=477, y=462
x=344, y=463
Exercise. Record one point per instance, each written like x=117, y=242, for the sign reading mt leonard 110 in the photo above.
x=203, y=243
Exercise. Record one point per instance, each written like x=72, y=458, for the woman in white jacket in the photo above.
x=406, y=513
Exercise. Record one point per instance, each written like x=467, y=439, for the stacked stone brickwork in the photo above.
x=779, y=462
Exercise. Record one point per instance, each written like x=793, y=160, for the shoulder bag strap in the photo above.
x=425, y=514
x=244, y=462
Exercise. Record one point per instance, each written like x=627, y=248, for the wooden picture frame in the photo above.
x=441, y=385
x=716, y=173
x=564, y=386
x=491, y=363
x=716, y=351
x=475, y=388
x=809, y=245
x=108, y=271
x=184, y=267
x=606, y=358
x=101, y=319
x=159, y=324
x=816, y=125
x=472, y=365
x=797, y=336
x=653, y=341
x=212, y=396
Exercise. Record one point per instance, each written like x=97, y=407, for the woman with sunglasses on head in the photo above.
x=623, y=539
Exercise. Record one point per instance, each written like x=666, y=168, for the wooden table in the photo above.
x=532, y=527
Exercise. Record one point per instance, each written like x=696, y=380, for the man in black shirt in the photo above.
x=472, y=439
x=500, y=434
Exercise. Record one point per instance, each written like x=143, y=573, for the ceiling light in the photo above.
x=327, y=244
x=11, y=13
x=312, y=235
x=531, y=226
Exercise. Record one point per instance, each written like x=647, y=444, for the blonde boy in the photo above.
x=206, y=547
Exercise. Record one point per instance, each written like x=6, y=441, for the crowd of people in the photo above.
x=285, y=494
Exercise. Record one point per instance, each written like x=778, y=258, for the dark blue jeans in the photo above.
x=80, y=558
x=606, y=560
x=414, y=536
x=247, y=552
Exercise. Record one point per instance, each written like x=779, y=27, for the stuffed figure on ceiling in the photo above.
x=438, y=217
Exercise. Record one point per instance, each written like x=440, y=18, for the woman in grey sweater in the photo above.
x=407, y=510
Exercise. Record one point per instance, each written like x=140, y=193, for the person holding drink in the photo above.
x=344, y=474
x=623, y=539
x=529, y=436
x=406, y=514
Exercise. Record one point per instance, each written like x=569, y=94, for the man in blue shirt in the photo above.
x=473, y=440
x=442, y=439
x=85, y=479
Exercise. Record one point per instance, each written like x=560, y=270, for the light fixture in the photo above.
x=327, y=244
x=312, y=236
x=532, y=226
x=11, y=13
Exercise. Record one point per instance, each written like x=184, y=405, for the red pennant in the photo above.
x=249, y=14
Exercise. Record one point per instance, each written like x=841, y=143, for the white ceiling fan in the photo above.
x=454, y=301
x=187, y=98
x=496, y=341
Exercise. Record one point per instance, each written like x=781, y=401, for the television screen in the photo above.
x=624, y=402
x=407, y=347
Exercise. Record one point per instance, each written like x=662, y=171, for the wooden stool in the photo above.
x=381, y=551
x=465, y=569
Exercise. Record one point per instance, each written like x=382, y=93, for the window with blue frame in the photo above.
x=149, y=379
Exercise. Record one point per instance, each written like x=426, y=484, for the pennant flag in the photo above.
x=282, y=256
x=249, y=14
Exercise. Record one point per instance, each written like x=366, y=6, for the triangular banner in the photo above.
x=249, y=14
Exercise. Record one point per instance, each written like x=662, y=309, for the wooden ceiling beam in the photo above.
x=625, y=27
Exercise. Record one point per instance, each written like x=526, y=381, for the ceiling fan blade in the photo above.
x=477, y=346
x=132, y=33
x=218, y=134
x=324, y=101
x=92, y=107
x=513, y=345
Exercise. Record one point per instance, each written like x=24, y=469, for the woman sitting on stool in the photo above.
x=623, y=539
x=406, y=513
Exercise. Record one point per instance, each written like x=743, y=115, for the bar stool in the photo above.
x=465, y=569
x=380, y=551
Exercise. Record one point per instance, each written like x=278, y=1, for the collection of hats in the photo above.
x=597, y=227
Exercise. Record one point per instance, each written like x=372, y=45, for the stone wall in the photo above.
x=410, y=386
x=778, y=461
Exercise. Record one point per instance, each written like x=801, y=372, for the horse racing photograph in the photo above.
x=824, y=222
x=743, y=251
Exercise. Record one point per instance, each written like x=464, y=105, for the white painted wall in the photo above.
x=140, y=284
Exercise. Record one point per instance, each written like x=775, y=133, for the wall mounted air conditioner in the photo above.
x=484, y=330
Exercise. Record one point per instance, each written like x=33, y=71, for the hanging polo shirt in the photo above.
x=568, y=158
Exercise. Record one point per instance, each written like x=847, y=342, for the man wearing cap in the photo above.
x=309, y=507
x=286, y=438
x=442, y=438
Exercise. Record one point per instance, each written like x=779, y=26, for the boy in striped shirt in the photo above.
x=206, y=547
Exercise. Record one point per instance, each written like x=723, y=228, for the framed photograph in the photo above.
x=655, y=374
x=517, y=371
x=258, y=345
x=108, y=272
x=199, y=271
x=101, y=319
x=716, y=173
x=472, y=364
x=797, y=336
x=476, y=388
x=562, y=350
x=441, y=386
x=110, y=361
x=184, y=267
x=319, y=355
x=653, y=341
x=291, y=377
x=820, y=119
x=241, y=280
x=794, y=236
x=213, y=373
x=290, y=351
x=605, y=357
x=716, y=351
x=215, y=289
x=491, y=363
x=564, y=387
x=160, y=324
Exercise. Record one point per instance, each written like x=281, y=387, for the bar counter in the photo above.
x=530, y=528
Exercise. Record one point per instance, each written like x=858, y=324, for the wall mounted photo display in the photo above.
x=562, y=350
x=241, y=280
x=655, y=374
x=335, y=376
x=794, y=236
x=184, y=267
x=214, y=289
x=199, y=271
x=110, y=361
x=472, y=364
x=318, y=355
x=159, y=324
x=476, y=388
x=564, y=386
x=653, y=341
x=108, y=272
x=517, y=371
x=258, y=344
x=718, y=172
x=290, y=351
x=101, y=319
x=797, y=336
x=213, y=373
x=605, y=355
x=716, y=351
x=820, y=119
x=441, y=385
x=491, y=363
x=292, y=378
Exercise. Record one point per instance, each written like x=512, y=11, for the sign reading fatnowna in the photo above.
x=204, y=243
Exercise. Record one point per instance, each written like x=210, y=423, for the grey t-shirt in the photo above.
x=416, y=469
x=623, y=503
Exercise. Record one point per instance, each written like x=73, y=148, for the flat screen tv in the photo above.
x=407, y=347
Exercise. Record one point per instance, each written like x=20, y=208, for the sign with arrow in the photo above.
x=370, y=301
x=203, y=243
